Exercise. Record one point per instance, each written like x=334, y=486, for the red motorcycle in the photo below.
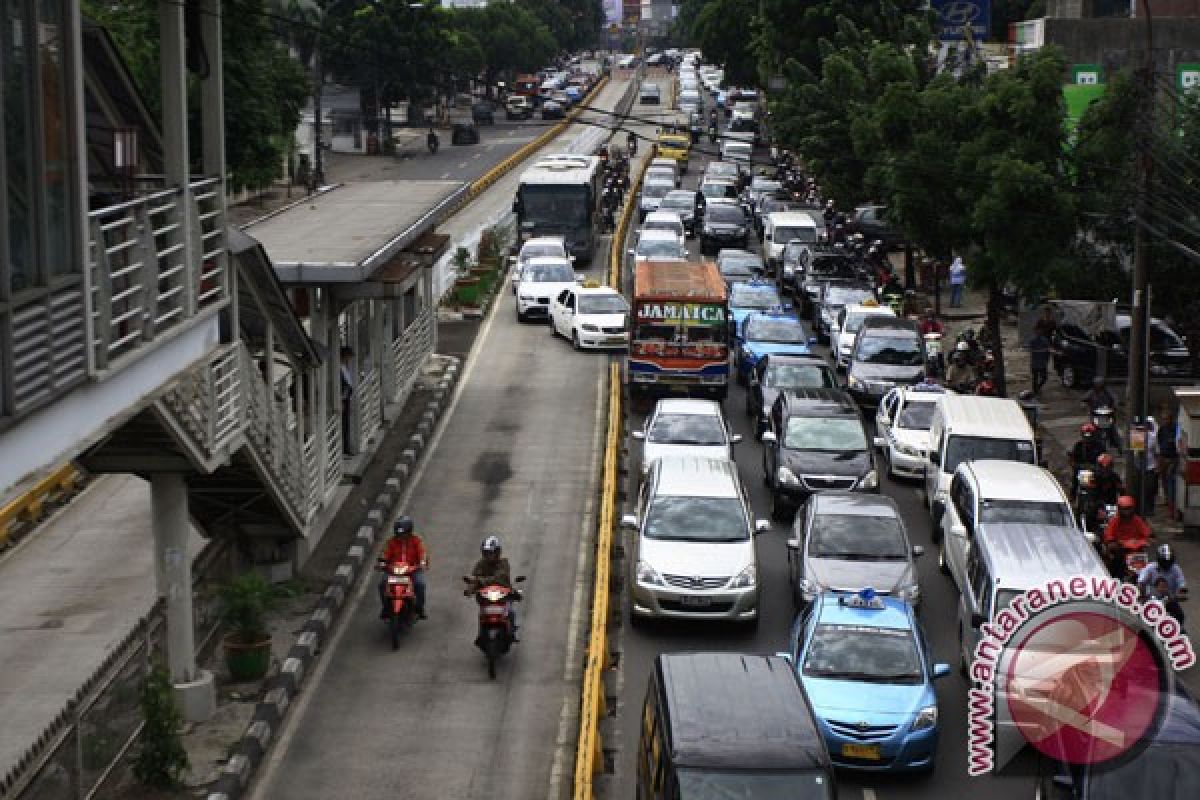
x=400, y=610
x=495, y=637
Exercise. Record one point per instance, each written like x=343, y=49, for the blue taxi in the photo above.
x=768, y=333
x=868, y=672
x=750, y=297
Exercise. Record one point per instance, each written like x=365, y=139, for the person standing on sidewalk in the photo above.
x=1040, y=349
x=1168, y=458
x=958, y=281
x=1147, y=462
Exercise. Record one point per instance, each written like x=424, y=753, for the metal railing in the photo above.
x=365, y=407
x=409, y=352
x=155, y=261
x=589, y=753
x=208, y=402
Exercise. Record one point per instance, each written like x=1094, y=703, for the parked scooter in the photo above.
x=495, y=637
x=400, y=610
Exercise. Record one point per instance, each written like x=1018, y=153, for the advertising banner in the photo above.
x=958, y=17
x=687, y=314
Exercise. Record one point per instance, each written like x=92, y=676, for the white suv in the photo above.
x=542, y=278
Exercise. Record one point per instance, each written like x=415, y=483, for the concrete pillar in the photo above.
x=173, y=72
x=212, y=90
x=173, y=567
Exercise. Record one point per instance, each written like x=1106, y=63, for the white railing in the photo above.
x=155, y=262
x=366, y=409
x=409, y=353
x=333, y=451
x=208, y=402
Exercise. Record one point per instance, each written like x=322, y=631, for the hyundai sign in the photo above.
x=957, y=17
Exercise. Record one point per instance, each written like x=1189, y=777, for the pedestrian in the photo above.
x=958, y=281
x=348, y=384
x=1040, y=349
x=1147, y=462
x=1046, y=324
x=1168, y=458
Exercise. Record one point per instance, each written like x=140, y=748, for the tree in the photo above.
x=512, y=38
x=723, y=30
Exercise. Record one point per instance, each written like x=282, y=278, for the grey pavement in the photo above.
x=518, y=455
x=70, y=592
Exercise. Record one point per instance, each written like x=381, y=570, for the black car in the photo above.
x=816, y=440
x=483, y=113
x=683, y=202
x=724, y=225
x=1082, y=356
x=464, y=133
x=823, y=267
x=552, y=109
x=888, y=352
x=778, y=372
x=872, y=223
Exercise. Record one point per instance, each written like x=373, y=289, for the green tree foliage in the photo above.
x=722, y=29
x=513, y=39
x=161, y=760
x=574, y=24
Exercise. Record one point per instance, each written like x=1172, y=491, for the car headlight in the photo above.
x=926, y=718
x=589, y=327
x=788, y=477
x=854, y=383
x=911, y=594
x=746, y=579
x=526, y=299
x=648, y=575
x=870, y=480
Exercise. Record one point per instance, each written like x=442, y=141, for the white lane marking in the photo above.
x=463, y=164
x=490, y=146
x=478, y=155
x=564, y=745
x=445, y=175
x=868, y=794
x=300, y=710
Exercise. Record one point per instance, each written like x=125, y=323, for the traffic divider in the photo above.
x=616, y=254
x=29, y=507
x=589, y=753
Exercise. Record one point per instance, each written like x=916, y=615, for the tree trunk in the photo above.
x=995, y=311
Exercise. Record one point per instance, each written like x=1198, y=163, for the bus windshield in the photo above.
x=555, y=205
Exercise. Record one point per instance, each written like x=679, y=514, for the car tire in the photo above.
x=1069, y=376
x=575, y=340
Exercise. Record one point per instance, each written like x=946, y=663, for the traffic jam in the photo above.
x=814, y=490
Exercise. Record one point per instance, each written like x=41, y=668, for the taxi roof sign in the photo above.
x=866, y=599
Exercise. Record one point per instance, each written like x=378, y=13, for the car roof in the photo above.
x=661, y=216
x=780, y=316
x=860, y=308
x=973, y=415
x=696, y=476
x=690, y=194
x=737, y=711
x=737, y=253
x=1014, y=480
x=888, y=324
x=818, y=401
x=791, y=219
x=688, y=405
x=894, y=615
x=546, y=240
x=658, y=233
x=911, y=395
x=1023, y=556
x=857, y=504
x=808, y=360
x=545, y=261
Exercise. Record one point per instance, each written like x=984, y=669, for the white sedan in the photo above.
x=542, y=278
x=590, y=316
x=902, y=422
x=685, y=426
x=537, y=246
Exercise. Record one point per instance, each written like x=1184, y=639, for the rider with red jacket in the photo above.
x=1126, y=532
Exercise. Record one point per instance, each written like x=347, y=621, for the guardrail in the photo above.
x=589, y=755
x=29, y=507
x=616, y=255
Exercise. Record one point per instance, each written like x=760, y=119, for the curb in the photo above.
x=250, y=751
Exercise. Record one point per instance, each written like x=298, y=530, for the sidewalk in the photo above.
x=1060, y=415
x=69, y=594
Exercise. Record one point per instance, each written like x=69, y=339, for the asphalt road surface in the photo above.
x=939, y=602
x=519, y=456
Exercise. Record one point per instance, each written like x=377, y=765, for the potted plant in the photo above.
x=244, y=603
x=466, y=285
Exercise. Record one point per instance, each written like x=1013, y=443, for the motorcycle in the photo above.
x=431, y=141
x=400, y=610
x=935, y=362
x=712, y=134
x=495, y=637
x=1103, y=417
x=632, y=140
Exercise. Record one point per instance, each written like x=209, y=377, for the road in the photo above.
x=939, y=600
x=518, y=455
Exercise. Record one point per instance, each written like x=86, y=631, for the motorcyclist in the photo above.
x=1085, y=453
x=829, y=213
x=960, y=375
x=493, y=569
x=406, y=547
x=1166, y=567
x=431, y=140
x=1099, y=396
x=1109, y=485
x=892, y=291
x=1125, y=533
x=930, y=324
x=986, y=388
x=712, y=133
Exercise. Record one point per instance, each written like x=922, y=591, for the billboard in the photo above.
x=958, y=18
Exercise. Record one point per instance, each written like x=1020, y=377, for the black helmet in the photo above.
x=1166, y=559
x=491, y=546
x=403, y=525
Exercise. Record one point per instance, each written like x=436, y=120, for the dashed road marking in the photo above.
x=463, y=164
x=445, y=175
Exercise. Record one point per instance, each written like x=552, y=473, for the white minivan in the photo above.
x=781, y=227
x=972, y=428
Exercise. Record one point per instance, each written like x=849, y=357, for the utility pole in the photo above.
x=1139, y=333
x=318, y=79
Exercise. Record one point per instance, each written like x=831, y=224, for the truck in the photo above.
x=680, y=338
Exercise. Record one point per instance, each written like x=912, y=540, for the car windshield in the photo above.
x=746, y=260
x=722, y=168
x=541, y=249
x=700, y=429
x=804, y=234
x=685, y=201
x=826, y=434
x=854, y=322
x=659, y=248
x=725, y=215
x=548, y=273
x=853, y=536
x=799, y=376
x=743, y=784
x=916, y=416
x=696, y=519
x=978, y=448
x=658, y=190
x=749, y=296
x=1026, y=511
x=861, y=652
x=844, y=295
x=718, y=190
x=894, y=351
x=784, y=331
x=602, y=304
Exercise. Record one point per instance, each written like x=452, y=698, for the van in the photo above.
x=649, y=94
x=729, y=725
x=738, y=151
x=781, y=227
x=972, y=428
x=661, y=164
x=694, y=552
x=984, y=493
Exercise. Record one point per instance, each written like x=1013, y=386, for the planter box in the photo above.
x=466, y=291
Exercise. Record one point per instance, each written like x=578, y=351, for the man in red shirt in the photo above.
x=930, y=323
x=406, y=547
x=1127, y=530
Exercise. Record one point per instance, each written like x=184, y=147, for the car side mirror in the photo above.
x=735, y=438
x=879, y=442
x=769, y=437
x=571, y=259
x=762, y=525
x=977, y=620
x=793, y=544
x=940, y=670
x=629, y=521
x=638, y=434
x=918, y=551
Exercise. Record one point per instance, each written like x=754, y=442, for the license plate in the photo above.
x=615, y=339
x=695, y=601
x=494, y=609
x=867, y=751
